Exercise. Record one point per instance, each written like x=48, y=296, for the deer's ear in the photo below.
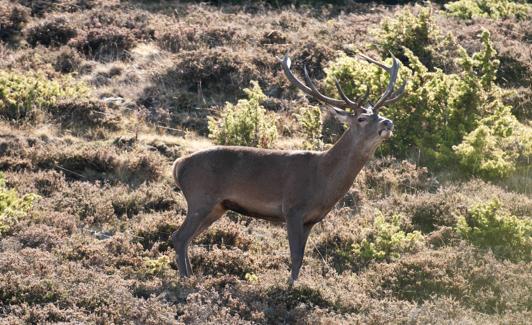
x=339, y=114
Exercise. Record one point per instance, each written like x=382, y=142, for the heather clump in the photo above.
x=186, y=38
x=40, y=8
x=218, y=261
x=51, y=33
x=155, y=230
x=67, y=60
x=386, y=176
x=431, y=211
x=101, y=162
x=105, y=44
x=146, y=198
x=226, y=234
x=206, y=77
x=86, y=118
x=376, y=238
x=13, y=18
x=459, y=273
x=65, y=284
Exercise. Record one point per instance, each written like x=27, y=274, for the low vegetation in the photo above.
x=469, y=9
x=26, y=97
x=13, y=18
x=448, y=108
x=97, y=98
x=488, y=226
x=387, y=241
x=498, y=147
x=311, y=125
x=245, y=124
x=12, y=206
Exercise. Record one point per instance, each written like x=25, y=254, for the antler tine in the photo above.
x=389, y=89
x=362, y=100
x=359, y=101
x=286, y=63
x=380, y=64
x=312, y=90
x=351, y=103
x=388, y=96
x=328, y=100
x=397, y=94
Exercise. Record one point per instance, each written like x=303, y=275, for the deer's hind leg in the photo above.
x=196, y=221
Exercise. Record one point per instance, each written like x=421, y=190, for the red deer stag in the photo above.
x=296, y=187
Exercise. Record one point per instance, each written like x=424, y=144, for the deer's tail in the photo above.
x=175, y=171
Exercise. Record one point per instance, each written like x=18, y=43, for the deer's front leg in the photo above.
x=297, y=238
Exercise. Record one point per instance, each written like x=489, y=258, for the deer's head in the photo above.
x=363, y=117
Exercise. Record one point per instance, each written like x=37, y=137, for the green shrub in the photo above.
x=387, y=241
x=12, y=206
x=245, y=124
x=506, y=235
x=495, y=9
x=420, y=34
x=437, y=110
x=311, y=125
x=497, y=147
x=26, y=96
x=157, y=265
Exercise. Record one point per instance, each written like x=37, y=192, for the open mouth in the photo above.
x=385, y=133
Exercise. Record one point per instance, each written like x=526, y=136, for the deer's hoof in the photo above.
x=291, y=282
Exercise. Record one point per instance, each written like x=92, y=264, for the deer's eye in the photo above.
x=361, y=119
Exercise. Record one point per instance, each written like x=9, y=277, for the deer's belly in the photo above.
x=263, y=210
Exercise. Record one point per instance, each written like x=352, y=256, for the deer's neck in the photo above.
x=343, y=162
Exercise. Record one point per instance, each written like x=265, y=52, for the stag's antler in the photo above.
x=389, y=96
x=311, y=88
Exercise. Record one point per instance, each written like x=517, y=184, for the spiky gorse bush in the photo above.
x=245, y=124
x=497, y=147
x=12, y=206
x=157, y=265
x=488, y=226
x=438, y=108
x=418, y=33
x=309, y=119
x=387, y=241
x=27, y=96
x=494, y=9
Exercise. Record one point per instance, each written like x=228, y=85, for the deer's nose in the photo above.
x=388, y=124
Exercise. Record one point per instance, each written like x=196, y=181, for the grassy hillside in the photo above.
x=98, y=98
